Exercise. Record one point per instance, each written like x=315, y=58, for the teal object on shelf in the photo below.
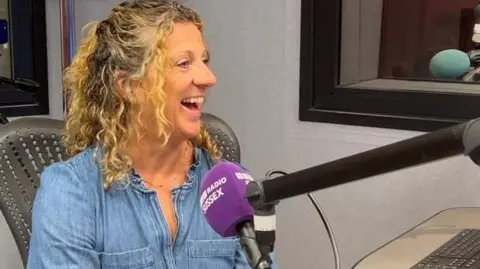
x=449, y=64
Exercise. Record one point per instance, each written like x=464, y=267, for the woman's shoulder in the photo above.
x=80, y=172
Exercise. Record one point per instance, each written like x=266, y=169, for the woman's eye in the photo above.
x=183, y=64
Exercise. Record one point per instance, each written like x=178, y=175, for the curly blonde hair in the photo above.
x=123, y=45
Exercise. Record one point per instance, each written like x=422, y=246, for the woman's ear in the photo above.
x=123, y=86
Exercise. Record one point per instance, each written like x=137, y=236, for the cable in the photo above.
x=331, y=236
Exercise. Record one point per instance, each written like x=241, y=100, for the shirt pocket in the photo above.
x=219, y=254
x=133, y=259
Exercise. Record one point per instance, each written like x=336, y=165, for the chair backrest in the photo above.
x=224, y=136
x=29, y=145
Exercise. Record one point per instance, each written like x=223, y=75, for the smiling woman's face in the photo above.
x=187, y=78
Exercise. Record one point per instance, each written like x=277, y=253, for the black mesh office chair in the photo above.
x=28, y=145
x=224, y=136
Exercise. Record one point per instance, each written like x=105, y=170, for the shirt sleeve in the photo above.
x=63, y=222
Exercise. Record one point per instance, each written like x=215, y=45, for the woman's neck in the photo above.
x=156, y=160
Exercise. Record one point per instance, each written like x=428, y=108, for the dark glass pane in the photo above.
x=413, y=31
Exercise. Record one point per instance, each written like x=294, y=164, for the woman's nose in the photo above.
x=204, y=77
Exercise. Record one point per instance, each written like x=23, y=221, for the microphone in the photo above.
x=229, y=213
x=450, y=64
x=462, y=138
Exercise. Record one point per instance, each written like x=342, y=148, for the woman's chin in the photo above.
x=190, y=129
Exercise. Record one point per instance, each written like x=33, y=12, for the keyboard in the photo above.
x=460, y=252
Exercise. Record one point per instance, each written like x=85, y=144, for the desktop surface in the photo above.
x=411, y=247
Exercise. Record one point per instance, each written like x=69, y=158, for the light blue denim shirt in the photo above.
x=77, y=224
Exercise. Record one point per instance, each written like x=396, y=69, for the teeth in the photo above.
x=198, y=100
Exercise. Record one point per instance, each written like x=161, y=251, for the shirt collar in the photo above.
x=137, y=183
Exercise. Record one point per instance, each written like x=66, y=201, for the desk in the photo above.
x=412, y=246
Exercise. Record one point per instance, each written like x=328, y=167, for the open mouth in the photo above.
x=193, y=103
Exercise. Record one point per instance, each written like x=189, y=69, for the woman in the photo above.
x=129, y=195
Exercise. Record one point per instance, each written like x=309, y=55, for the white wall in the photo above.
x=255, y=47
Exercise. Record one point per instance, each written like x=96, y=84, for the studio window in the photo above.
x=403, y=64
x=23, y=58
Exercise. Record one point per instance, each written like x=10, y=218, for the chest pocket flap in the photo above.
x=134, y=259
x=219, y=254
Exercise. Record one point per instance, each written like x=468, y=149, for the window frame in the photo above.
x=37, y=59
x=323, y=100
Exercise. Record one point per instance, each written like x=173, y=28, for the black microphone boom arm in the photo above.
x=459, y=139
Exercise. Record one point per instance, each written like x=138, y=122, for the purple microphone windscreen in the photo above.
x=223, y=199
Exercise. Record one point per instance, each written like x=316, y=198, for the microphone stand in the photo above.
x=265, y=238
x=463, y=138
x=255, y=256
